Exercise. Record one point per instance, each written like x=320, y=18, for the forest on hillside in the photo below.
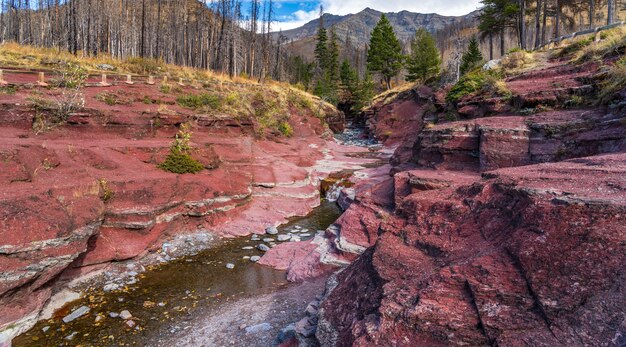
x=234, y=37
x=219, y=35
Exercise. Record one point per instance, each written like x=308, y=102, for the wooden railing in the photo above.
x=595, y=31
x=43, y=77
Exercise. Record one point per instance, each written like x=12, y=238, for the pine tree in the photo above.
x=472, y=57
x=321, y=48
x=365, y=92
x=333, y=58
x=385, y=51
x=424, y=61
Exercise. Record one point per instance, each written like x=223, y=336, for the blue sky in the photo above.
x=292, y=14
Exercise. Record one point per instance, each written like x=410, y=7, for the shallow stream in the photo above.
x=167, y=294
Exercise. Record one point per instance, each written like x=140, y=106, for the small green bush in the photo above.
x=285, y=129
x=198, y=101
x=574, y=47
x=181, y=163
x=468, y=84
x=9, y=90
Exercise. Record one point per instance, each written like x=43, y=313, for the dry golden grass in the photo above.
x=612, y=43
x=24, y=56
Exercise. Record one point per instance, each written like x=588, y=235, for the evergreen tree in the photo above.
x=424, y=61
x=321, y=48
x=385, y=51
x=333, y=58
x=365, y=92
x=349, y=77
x=472, y=57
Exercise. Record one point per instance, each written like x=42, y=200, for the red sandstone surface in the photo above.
x=498, y=229
x=55, y=224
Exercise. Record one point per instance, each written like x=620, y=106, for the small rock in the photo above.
x=255, y=237
x=305, y=235
x=271, y=231
x=79, y=312
x=161, y=304
x=125, y=315
x=45, y=329
x=111, y=287
x=71, y=336
x=304, y=231
x=247, y=248
x=298, y=227
x=114, y=314
x=305, y=328
x=263, y=248
x=99, y=318
x=131, y=323
x=282, y=238
x=295, y=239
x=255, y=329
x=105, y=67
x=133, y=273
x=268, y=239
x=243, y=326
x=255, y=258
x=246, y=257
x=285, y=334
x=230, y=266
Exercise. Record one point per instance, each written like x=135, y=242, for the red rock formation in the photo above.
x=56, y=223
x=508, y=260
x=530, y=252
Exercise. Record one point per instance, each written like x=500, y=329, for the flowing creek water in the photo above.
x=172, y=291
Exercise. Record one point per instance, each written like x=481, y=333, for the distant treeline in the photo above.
x=220, y=35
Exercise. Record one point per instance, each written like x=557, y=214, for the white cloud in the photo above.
x=297, y=19
x=344, y=7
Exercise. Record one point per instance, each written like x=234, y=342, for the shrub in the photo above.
x=517, y=60
x=165, y=88
x=9, y=90
x=285, y=129
x=106, y=193
x=179, y=160
x=180, y=163
x=108, y=98
x=614, y=83
x=468, y=84
x=574, y=47
x=198, y=101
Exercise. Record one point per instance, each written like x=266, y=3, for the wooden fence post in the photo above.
x=2, y=81
x=129, y=80
x=41, y=81
x=180, y=82
x=104, y=82
x=150, y=80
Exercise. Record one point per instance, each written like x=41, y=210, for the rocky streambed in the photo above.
x=143, y=305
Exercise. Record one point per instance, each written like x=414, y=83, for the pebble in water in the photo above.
x=263, y=248
x=282, y=238
x=114, y=314
x=79, y=312
x=268, y=239
x=271, y=230
x=125, y=315
x=255, y=258
x=230, y=266
x=247, y=248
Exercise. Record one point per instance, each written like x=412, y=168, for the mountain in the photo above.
x=358, y=27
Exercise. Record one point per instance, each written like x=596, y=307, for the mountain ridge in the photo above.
x=358, y=26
